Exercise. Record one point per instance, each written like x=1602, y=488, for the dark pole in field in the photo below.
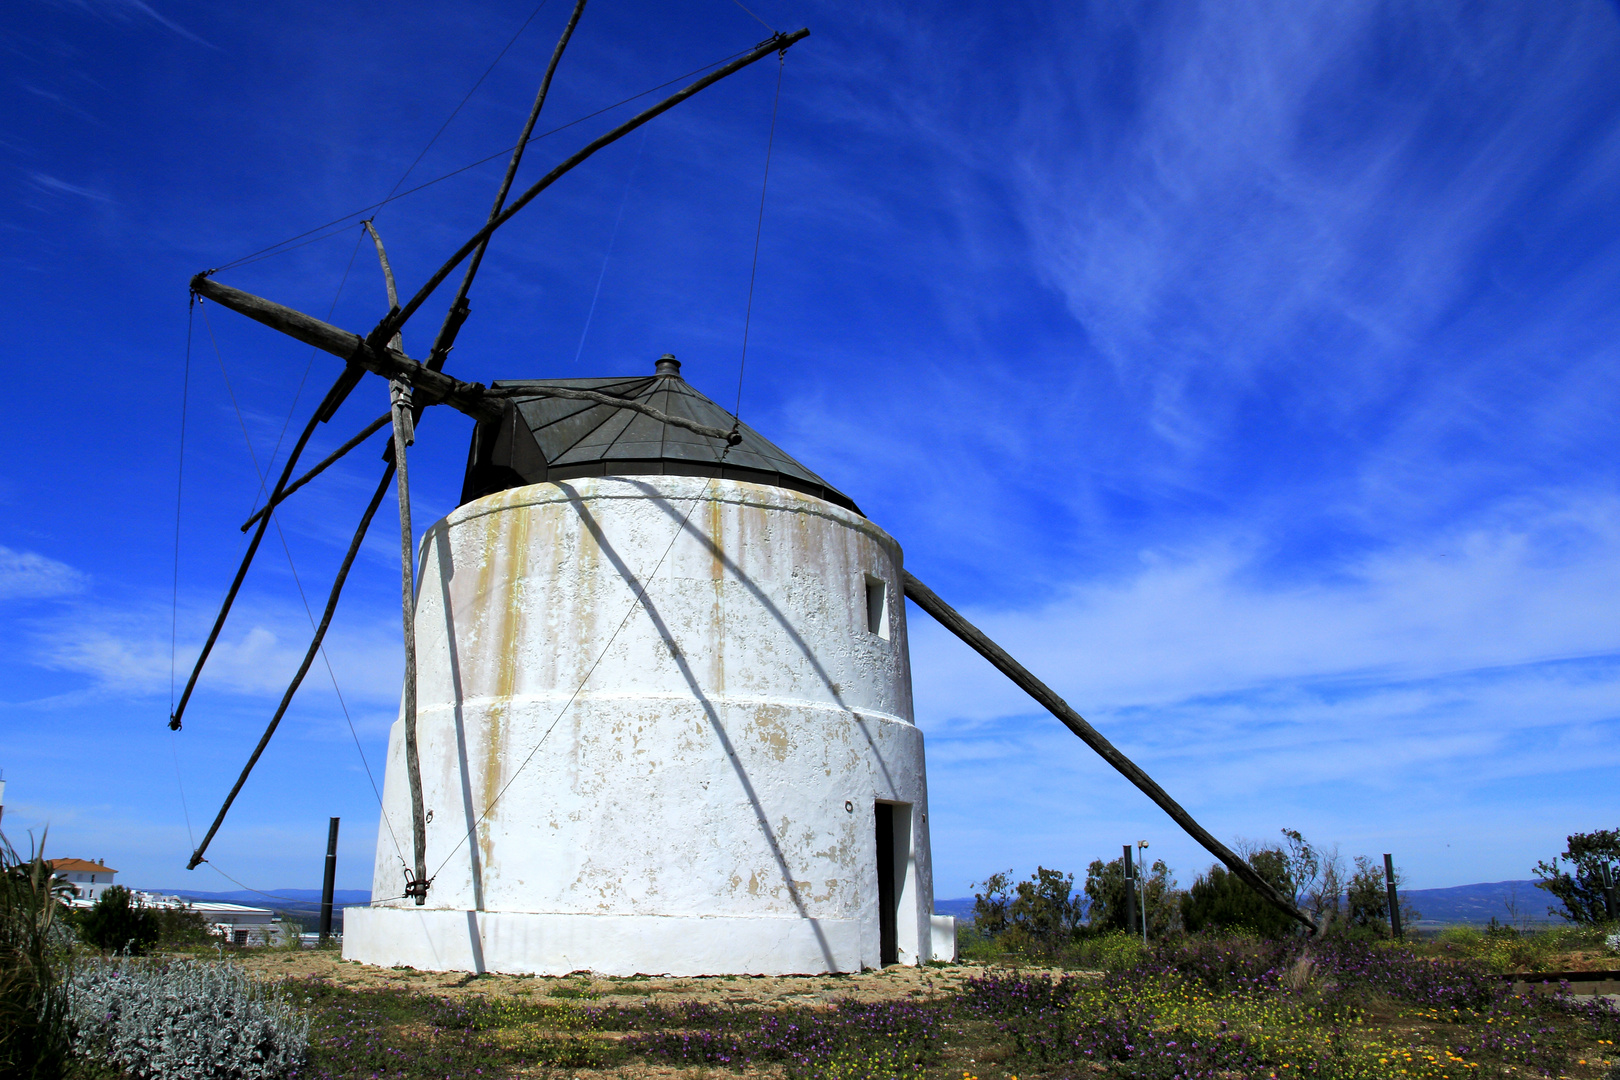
x=329, y=881
x=1608, y=893
x=1130, y=893
x=1394, y=900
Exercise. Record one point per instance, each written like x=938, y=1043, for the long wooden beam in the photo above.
x=431, y=386
x=365, y=433
x=948, y=617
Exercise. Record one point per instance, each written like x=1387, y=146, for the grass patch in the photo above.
x=1505, y=948
x=1233, y=1008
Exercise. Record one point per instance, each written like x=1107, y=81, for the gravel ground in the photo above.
x=743, y=990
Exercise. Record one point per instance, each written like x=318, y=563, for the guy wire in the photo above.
x=453, y=112
x=759, y=227
x=275, y=896
x=756, y=18
x=174, y=602
x=612, y=239
x=179, y=482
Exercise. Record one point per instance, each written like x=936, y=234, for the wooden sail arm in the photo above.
x=778, y=43
x=948, y=617
x=197, y=856
x=365, y=433
x=382, y=257
x=431, y=387
x=457, y=314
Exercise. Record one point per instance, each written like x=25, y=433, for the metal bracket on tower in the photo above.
x=416, y=888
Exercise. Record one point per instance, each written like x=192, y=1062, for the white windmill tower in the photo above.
x=663, y=709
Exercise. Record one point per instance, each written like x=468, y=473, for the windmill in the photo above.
x=656, y=712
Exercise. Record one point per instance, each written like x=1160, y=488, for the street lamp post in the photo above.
x=1141, y=859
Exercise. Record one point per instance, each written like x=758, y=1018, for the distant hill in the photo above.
x=1473, y=905
x=1506, y=901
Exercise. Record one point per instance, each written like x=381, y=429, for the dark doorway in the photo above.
x=888, y=945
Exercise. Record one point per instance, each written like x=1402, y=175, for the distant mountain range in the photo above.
x=1511, y=902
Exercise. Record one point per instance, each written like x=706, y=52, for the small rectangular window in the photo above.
x=877, y=607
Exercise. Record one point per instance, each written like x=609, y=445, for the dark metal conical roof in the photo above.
x=543, y=437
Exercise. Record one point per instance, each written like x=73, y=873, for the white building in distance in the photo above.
x=238, y=924
x=87, y=879
x=664, y=711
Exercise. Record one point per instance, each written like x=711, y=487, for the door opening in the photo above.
x=888, y=944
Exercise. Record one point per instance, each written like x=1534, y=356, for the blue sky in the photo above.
x=1245, y=368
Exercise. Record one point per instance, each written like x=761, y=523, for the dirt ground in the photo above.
x=736, y=990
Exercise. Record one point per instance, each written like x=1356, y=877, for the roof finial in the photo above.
x=667, y=365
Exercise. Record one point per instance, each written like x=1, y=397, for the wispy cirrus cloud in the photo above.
x=28, y=575
x=1272, y=192
x=127, y=651
x=1530, y=583
x=130, y=11
x=46, y=182
x=59, y=100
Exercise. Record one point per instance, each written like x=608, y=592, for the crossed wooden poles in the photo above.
x=414, y=385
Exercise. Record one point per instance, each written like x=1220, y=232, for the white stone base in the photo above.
x=943, y=932
x=529, y=943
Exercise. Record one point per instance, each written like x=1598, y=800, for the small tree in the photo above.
x=1106, y=891
x=1047, y=909
x=118, y=925
x=1221, y=901
x=1317, y=877
x=1367, y=898
x=1580, y=895
x=990, y=914
x=1322, y=903
x=1304, y=865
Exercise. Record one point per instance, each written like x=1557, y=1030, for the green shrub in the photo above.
x=117, y=924
x=1038, y=916
x=182, y=926
x=35, y=1033
x=1114, y=950
x=1506, y=948
x=1221, y=901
